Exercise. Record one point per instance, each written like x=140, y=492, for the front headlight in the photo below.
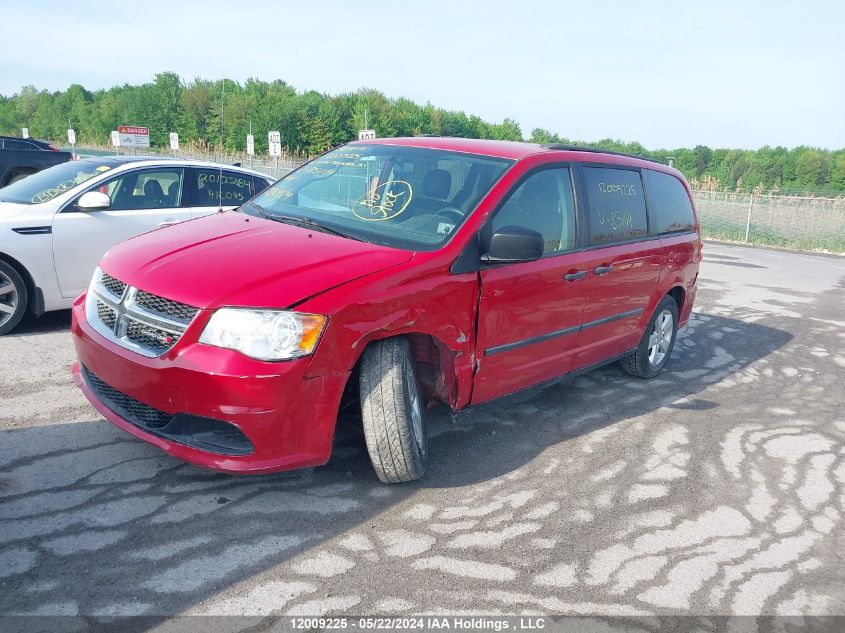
x=264, y=334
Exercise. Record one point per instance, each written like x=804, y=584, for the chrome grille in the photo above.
x=166, y=307
x=151, y=338
x=135, y=319
x=107, y=315
x=114, y=286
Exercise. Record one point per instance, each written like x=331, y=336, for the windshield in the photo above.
x=45, y=185
x=406, y=197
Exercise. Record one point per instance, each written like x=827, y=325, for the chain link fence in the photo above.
x=798, y=222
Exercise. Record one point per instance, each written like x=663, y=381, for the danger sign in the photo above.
x=133, y=136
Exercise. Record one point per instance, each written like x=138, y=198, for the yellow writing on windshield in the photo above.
x=279, y=193
x=341, y=163
x=319, y=171
x=384, y=202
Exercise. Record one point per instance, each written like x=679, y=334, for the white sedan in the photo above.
x=56, y=225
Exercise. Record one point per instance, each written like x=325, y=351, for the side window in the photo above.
x=259, y=184
x=617, y=205
x=542, y=203
x=669, y=205
x=11, y=144
x=153, y=189
x=212, y=187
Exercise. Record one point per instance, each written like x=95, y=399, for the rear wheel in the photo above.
x=13, y=297
x=392, y=411
x=655, y=348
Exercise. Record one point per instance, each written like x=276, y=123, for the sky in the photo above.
x=666, y=74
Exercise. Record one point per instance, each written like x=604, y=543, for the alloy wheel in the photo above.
x=8, y=299
x=415, y=403
x=661, y=337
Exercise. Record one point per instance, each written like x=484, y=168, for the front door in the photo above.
x=530, y=312
x=141, y=200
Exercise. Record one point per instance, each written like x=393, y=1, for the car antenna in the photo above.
x=220, y=175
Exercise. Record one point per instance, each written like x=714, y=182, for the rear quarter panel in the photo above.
x=680, y=268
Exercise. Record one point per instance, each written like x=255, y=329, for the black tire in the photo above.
x=21, y=297
x=640, y=363
x=388, y=382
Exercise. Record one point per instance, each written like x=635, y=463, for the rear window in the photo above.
x=668, y=203
x=616, y=203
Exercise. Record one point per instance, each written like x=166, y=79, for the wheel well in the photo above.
x=27, y=279
x=436, y=365
x=678, y=294
x=435, y=370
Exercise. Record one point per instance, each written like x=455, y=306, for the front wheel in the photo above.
x=654, y=349
x=13, y=298
x=392, y=411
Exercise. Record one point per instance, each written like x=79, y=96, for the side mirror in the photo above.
x=513, y=244
x=93, y=201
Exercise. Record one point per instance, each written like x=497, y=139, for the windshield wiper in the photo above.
x=301, y=220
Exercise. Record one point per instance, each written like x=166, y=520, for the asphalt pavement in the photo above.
x=716, y=488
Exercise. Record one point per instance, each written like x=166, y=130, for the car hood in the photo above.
x=230, y=259
x=11, y=209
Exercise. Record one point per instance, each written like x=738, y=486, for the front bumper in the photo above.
x=286, y=416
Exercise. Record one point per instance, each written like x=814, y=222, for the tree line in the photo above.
x=312, y=122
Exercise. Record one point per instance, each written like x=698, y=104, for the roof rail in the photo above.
x=583, y=148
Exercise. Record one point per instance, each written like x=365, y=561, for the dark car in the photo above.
x=22, y=157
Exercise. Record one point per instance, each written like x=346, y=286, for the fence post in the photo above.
x=748, y=219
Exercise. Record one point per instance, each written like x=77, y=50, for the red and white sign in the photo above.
x=132, y=129
x=133, y=136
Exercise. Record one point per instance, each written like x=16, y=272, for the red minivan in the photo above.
x=395, y=274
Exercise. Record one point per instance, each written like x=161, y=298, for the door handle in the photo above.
x=169, y=223
x=602, y=270
x=575, y=276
